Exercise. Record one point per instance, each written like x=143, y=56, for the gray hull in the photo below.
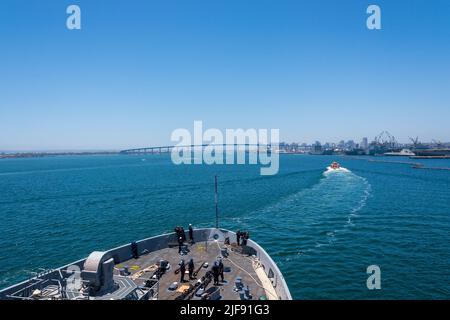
x=57, y=279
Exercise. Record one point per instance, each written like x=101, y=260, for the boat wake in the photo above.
x=313, y=218
x=338, y=170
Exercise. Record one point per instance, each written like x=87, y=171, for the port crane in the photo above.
x=415, y=141
x=386, y=140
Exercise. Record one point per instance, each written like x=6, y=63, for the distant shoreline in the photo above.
x=18, y=155
x=41, y=154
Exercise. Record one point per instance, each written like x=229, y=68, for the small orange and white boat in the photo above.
x=334, y=165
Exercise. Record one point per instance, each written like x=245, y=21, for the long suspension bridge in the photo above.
x=256, y=147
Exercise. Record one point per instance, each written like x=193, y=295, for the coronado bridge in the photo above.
x=226, y=147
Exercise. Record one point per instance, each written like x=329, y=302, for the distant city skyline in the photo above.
x=363, y=143
x=137, y=70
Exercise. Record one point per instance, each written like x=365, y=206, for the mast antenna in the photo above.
x=216, y=202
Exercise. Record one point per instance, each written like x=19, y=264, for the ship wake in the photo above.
x=340, y=170
x=313, y=217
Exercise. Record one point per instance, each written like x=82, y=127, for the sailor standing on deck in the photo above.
x=238, y=237
x=191, y=233
x=182, y=270
x=191, y=268
x=180, y=244
x=221, y=269
x=245, y=236
x=215, y=270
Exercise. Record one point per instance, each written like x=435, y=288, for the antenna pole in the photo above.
x=216, y=202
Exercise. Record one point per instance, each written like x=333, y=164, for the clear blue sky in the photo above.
x=140, y=69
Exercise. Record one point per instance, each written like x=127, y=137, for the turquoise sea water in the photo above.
x=322, y=230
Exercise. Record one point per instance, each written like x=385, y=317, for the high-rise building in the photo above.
x=364, y=144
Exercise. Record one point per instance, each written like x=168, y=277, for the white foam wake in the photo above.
x=316, y=216
x=338, y=170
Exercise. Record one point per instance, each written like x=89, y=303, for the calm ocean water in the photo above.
x=322, y=230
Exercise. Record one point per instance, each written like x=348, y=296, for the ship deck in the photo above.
x=115, y=275
x=235, y=265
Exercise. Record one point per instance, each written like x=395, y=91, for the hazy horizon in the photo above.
x=172, y=144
